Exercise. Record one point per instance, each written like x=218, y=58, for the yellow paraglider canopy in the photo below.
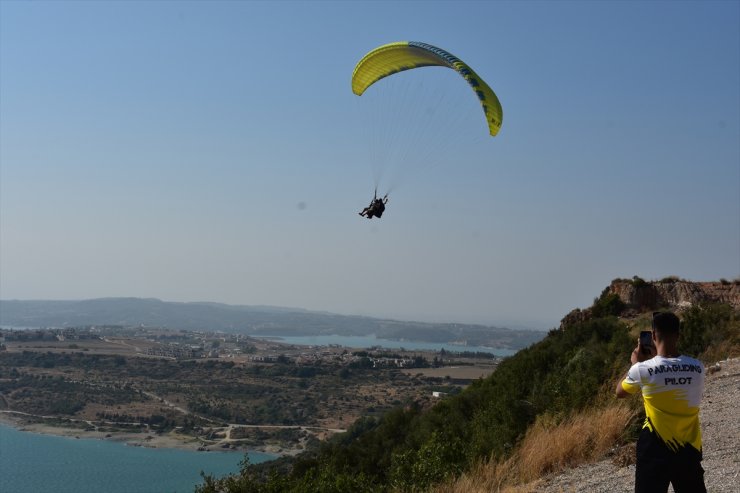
x=405, y=55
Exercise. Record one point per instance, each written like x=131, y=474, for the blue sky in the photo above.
x=213, y=151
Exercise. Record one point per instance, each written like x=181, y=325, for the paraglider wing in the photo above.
x=405, y=55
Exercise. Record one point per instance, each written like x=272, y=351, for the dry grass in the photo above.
x=729, y=348
x=549, y=446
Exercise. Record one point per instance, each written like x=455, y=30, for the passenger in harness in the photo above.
x=376, y=207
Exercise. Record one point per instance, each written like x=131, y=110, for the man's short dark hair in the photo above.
x=666, y=322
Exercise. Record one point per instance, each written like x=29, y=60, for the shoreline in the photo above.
x=148, y=439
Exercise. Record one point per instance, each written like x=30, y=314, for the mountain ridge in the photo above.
x=248, y=319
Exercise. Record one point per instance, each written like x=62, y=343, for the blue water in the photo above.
x=369, y=341
x=33, y=463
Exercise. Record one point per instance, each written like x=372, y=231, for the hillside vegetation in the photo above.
x=547, y=407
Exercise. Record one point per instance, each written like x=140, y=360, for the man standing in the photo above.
x=669, y=446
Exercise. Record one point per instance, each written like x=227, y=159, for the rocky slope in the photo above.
x=674, y=294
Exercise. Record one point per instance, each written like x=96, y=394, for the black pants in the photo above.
x=657, y=466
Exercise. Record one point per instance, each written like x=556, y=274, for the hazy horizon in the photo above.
x=514, y=324
x=214, y=151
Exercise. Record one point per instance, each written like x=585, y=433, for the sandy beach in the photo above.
x=172, y=439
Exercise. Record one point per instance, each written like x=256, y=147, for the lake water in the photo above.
x=370, y=341
x=33, y=463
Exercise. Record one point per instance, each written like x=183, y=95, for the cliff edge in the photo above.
x=673, y=293
x=638, y=295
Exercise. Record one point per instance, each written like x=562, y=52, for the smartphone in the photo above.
x=646, y=338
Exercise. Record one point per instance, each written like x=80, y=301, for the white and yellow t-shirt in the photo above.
x=671, y=389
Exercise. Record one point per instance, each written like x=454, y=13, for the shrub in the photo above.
x=433, y=462
x=638, y=282
x=609, y=304
x=711, y=332
x=670, y=279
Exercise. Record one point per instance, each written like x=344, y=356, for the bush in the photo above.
x=433, y=462
x=608, y=305
x=710, y=332
x=670, y=279
x=638, y=282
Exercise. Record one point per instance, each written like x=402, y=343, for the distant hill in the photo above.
x=263, y=320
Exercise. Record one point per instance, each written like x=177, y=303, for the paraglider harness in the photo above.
x=376, y=207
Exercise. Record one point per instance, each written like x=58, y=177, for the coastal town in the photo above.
x=195, y=345
x=212, y=390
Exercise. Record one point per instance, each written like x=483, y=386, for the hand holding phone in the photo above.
x=646, y=342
